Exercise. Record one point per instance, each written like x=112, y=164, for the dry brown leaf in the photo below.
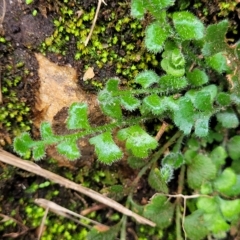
x=89, y=74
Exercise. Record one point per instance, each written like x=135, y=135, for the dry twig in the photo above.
x=94, y=21
x=34, y=168
x=2, y=17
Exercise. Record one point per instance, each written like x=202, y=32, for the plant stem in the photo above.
x=178, y=223
x=124, y=223
x=123, y=228
x=178, y=203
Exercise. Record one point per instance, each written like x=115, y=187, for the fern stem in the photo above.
x=145, y=91
x=104, y=128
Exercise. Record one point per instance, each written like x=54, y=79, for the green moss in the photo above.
x=14, y=113
x=101, y=51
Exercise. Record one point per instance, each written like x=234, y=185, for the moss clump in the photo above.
x=14, y=112
x=110, y=51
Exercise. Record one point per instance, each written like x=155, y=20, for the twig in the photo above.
x=93, y=209
x=2, y=17
x=1, y=100
x=16, y=234
x=42, y=223
x=94, y=21
x=161, y=131
x=62, y=211
x=34, y=168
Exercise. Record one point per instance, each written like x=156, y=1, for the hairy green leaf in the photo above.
x=69, y=149
x=197, y=77
x=194, y=230
x=46, y=130
x=155, y=104
x=233, y=147
x=201, y=124
x=200, y=170
x=189, y=155
x=156, y=181
x=215, y=222
x=228, y=119
x=136, y=207
x=212, y=89
x=167, y=172
x=160, y=4
x=159, y=14
x=147, y=78
x=137, y=8
x=106, y=149
x=206, y=188
x=169, y=82
x=173, y=62
x=112, y=85
x=230, y=208
x=160, y=211
x=77, y=116
x=234, y=190
x=39, y=151
x=135, y=162
x=116, y=192
x=174, y=159
x=223, y=99
x=184, y=116
x=109, y=104
x=207, y=204
x=137, y=140
x=188, y=26
x=129, y=102
x=22, y=144
x=225, y=181
x=218, y=62
x=156, y=34
x=218, y=156
x=203, y=101
x=214, y=41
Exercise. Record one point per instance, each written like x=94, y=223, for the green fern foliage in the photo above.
x=214, y=41
x=196, y=83
x=69, y=149
x=156, y=34
x=147, y=78
x=188, y=26
x=137, y=9
x=106, y=149
x=77, y=116
x=159, y=206
x=22, y=144
x=137, y=140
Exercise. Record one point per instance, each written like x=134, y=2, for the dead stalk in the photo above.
x=34, y=168
x=94, y=21
x=2, y=17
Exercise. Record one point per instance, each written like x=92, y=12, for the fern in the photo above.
x=187, y=96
